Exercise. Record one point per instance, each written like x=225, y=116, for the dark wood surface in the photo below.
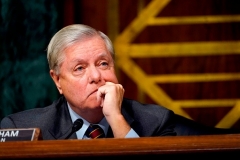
x=185, y=147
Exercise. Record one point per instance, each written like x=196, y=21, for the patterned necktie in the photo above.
x=95, y=131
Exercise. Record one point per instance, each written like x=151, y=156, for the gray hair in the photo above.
x=68, y=36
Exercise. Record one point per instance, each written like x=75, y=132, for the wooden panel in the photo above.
x=192, y=52
x=185, y=147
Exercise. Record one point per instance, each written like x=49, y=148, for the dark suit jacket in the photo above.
x=147, y=120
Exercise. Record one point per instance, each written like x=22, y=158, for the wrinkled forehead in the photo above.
x=87, y=48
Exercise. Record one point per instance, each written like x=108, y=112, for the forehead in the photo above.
x=88, y=43
x=90, y=46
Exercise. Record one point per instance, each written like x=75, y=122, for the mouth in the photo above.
x=93, y=92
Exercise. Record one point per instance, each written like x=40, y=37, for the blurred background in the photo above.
x=181, y=54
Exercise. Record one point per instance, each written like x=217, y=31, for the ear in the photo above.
x=56, y=80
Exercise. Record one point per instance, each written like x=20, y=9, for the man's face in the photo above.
x=87, y=66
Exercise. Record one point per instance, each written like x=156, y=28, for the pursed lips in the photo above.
x=95, y=91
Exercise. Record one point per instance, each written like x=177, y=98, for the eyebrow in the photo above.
x=77, y=60
x=102, y=55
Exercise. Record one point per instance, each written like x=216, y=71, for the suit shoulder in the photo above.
x=34, y=114
x=136, y=104
x=154, y=110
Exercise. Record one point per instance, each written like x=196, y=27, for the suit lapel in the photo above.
x=62, y=124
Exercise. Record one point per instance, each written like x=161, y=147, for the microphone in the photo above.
x=76, y=126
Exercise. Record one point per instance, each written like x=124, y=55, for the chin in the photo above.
x=96, y=109
x=94, y=105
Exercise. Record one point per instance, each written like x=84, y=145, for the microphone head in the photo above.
x=77, y=125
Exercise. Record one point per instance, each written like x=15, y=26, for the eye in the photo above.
x=104, y=64
x=79, y=68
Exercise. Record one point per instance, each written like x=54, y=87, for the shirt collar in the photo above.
x=80, y=133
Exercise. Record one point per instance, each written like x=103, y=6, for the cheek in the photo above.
x=76, y=92
x=78, y=87
x=72, y=87
x=112, y=78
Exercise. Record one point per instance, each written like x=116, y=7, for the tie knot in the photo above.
x=95, y=131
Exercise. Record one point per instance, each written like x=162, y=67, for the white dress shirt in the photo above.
x=103, y=124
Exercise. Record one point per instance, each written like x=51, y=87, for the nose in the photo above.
x=94, y=74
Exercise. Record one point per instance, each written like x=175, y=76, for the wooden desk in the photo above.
x=186, y=147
